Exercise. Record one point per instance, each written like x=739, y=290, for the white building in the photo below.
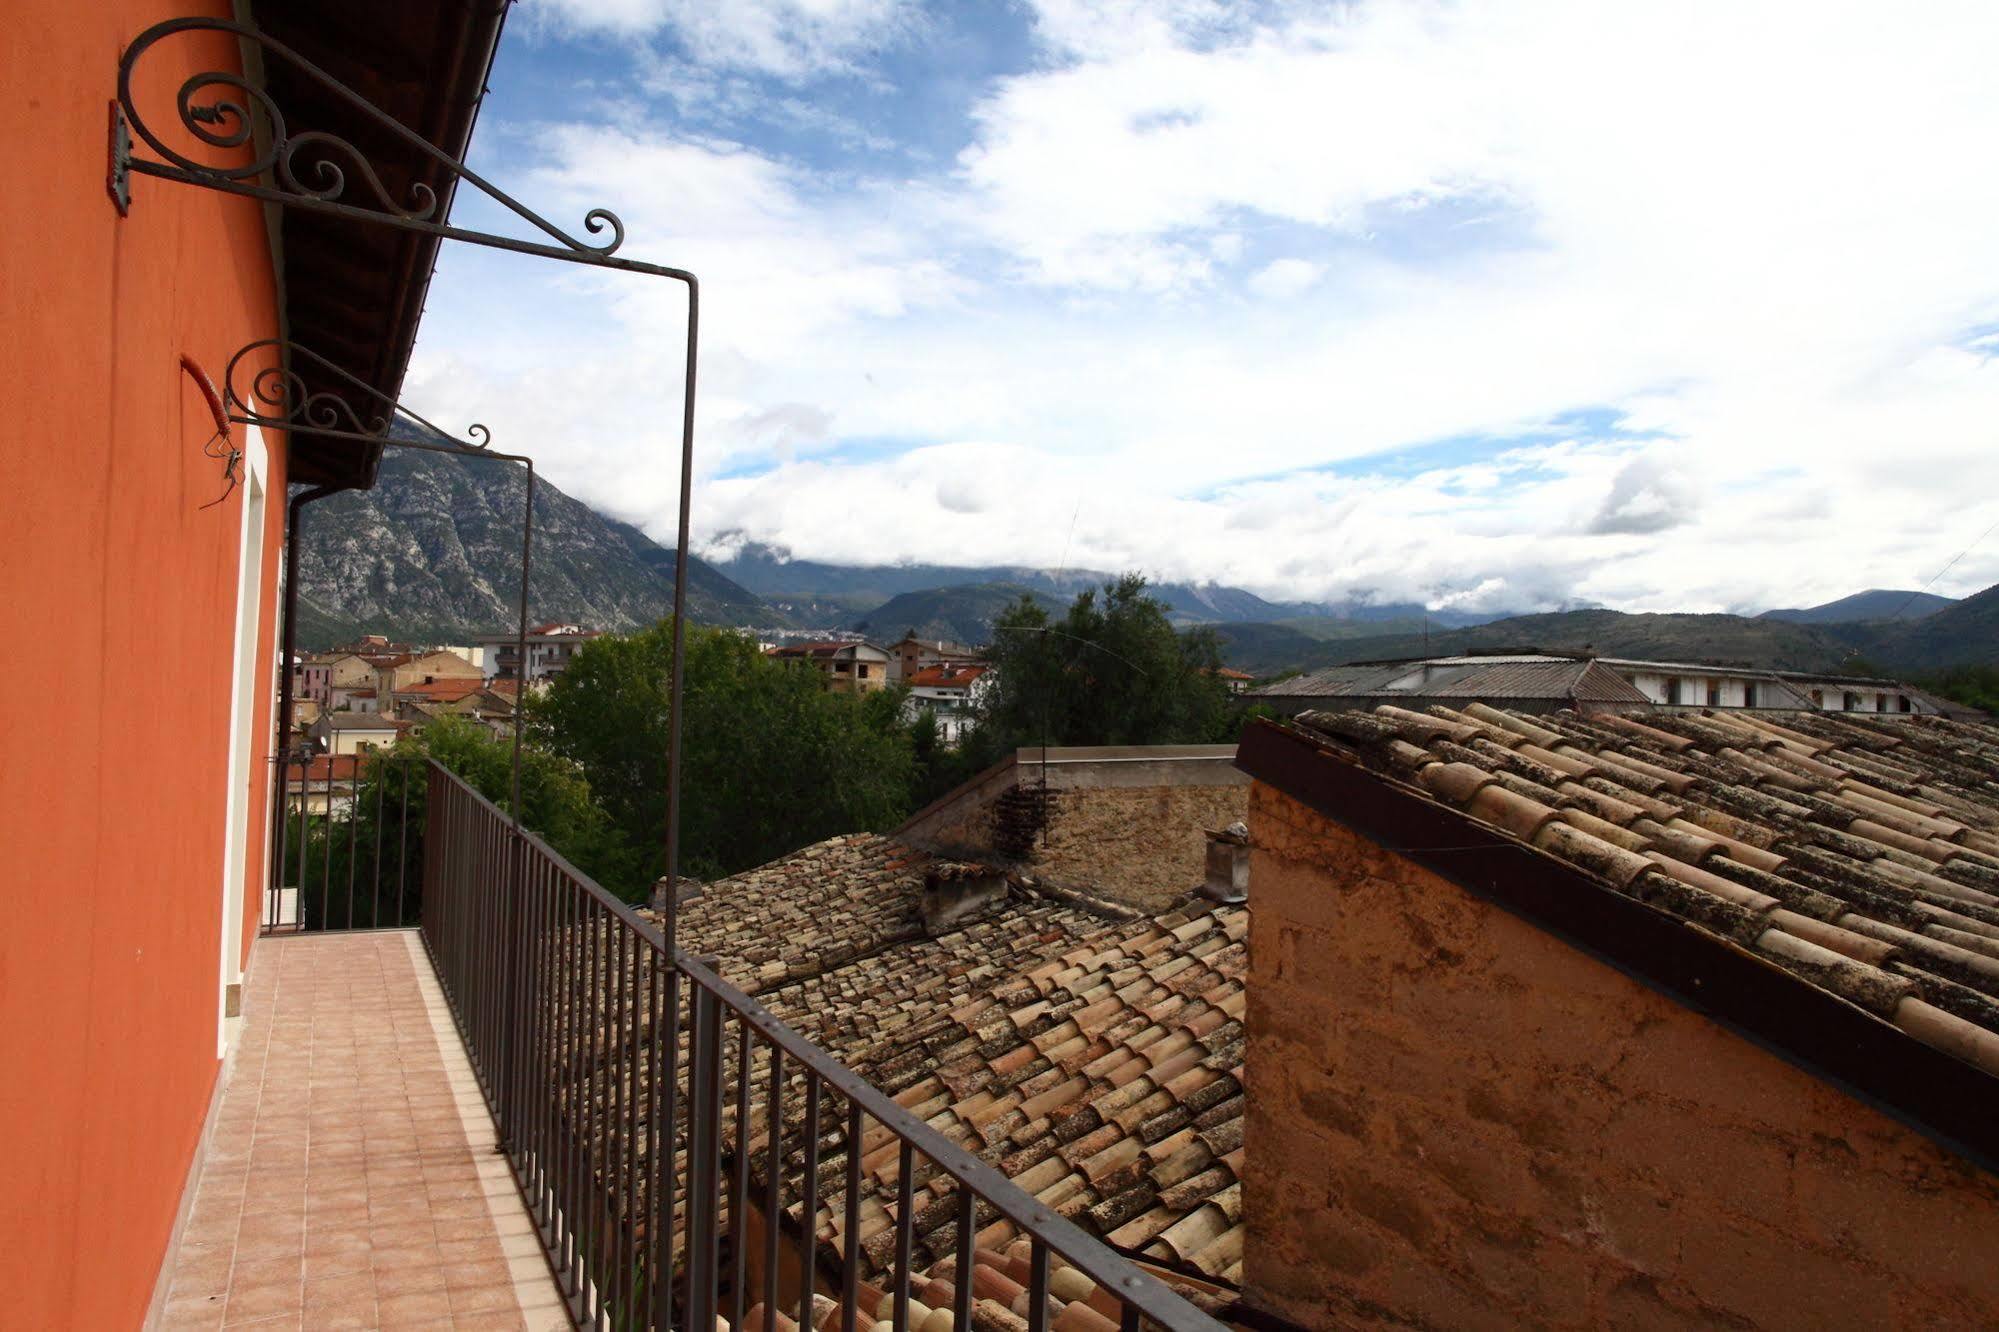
x=951, y=694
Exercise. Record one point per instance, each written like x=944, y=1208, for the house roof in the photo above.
x=1859, y=857
x=1231, y=673
x=945, y=677
x=1095, y=1061
x=443, y=691
x=325, y=767
x=355, y=721
x=1542, y=677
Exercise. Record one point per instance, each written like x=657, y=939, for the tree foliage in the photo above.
x=1112, y=671
x=771, y=760
x=364, y=865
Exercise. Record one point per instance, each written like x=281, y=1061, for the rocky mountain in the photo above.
x=1874, y=604
x=956, y=614
x=433, y=553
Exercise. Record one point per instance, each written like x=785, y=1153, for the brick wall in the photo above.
x=1459, y=1120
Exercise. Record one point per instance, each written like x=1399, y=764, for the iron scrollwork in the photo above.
x=277, y=396
x=220, y=110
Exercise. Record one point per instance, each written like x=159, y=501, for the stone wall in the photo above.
x=1124, y=823
x=1457, y=1120
x=1141, y=846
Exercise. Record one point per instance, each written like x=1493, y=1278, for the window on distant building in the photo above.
x=1749, y=694
x=1902, y=703
x=864, y=670
x=1672, y=689
x=1880, y=702
x=1818, y=698
x=1714, y=693
x=1849, y=701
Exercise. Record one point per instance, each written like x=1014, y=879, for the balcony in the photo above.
x=516, y=1111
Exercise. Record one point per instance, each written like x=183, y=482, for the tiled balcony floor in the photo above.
x=350, y=1181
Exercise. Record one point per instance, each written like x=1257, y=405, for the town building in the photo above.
x=912, y=654
x=1551, y=681
x=1567, y=1020
x=1233, y=680
x=951, y=695
x=856, y=667
x=352, y=732
x=549, y=649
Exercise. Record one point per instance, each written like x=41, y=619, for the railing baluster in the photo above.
x=850, y=1257
x=403, y=858
x=739, y=1189
x=659, y=1169
x=325, y=861
x=375, y=893
x=961, y=1290
x=353, y=828
x=773, y=1187
x=704, y=1151
x=1037, y=1285
x=905, y=1228
x=808, y=1228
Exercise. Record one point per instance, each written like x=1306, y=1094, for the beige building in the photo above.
x=848, y=667
x=352, y=732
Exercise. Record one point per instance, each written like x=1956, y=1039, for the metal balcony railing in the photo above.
x=662, y=1125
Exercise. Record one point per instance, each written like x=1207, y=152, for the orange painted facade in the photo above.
x=123, y=590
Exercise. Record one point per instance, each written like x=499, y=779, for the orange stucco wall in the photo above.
x=121, y=592
x=1458, y=1120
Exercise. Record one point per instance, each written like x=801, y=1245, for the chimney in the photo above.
x=690, y=891
x=1228, y=864
x=954, y=891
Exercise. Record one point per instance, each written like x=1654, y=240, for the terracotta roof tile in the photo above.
x=1860, y=856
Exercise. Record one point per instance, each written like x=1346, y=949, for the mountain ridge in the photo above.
x=432, y=553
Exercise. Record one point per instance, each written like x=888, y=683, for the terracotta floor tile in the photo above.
x=247, y=1303
x=341, y=1187
x=421, y=1309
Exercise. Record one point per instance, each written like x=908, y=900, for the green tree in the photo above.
x=1112, y=671
x=771, y=760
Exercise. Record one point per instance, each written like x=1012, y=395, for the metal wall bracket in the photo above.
x=118, y=175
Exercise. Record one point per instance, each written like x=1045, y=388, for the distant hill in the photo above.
x=1722, y=638
x=432, y=553
x=1873, y=604
x=1964, y=633
x=958, y=614
x=802, y=587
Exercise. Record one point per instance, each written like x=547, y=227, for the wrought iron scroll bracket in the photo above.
x=277, y=397
x=316, y=170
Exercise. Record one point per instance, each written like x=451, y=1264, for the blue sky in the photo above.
x=1507, y=306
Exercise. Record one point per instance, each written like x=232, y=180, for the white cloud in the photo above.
x=1760, y=232
x=1284, y=278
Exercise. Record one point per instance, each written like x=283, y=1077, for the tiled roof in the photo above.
x=1563, y=679
x=1095, y=1062
x=443, y=691
x=355, y=721
x=831, y=940
x=946, y=677
x=325, y=767
x=1105, y=1081
x=1861, y=856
